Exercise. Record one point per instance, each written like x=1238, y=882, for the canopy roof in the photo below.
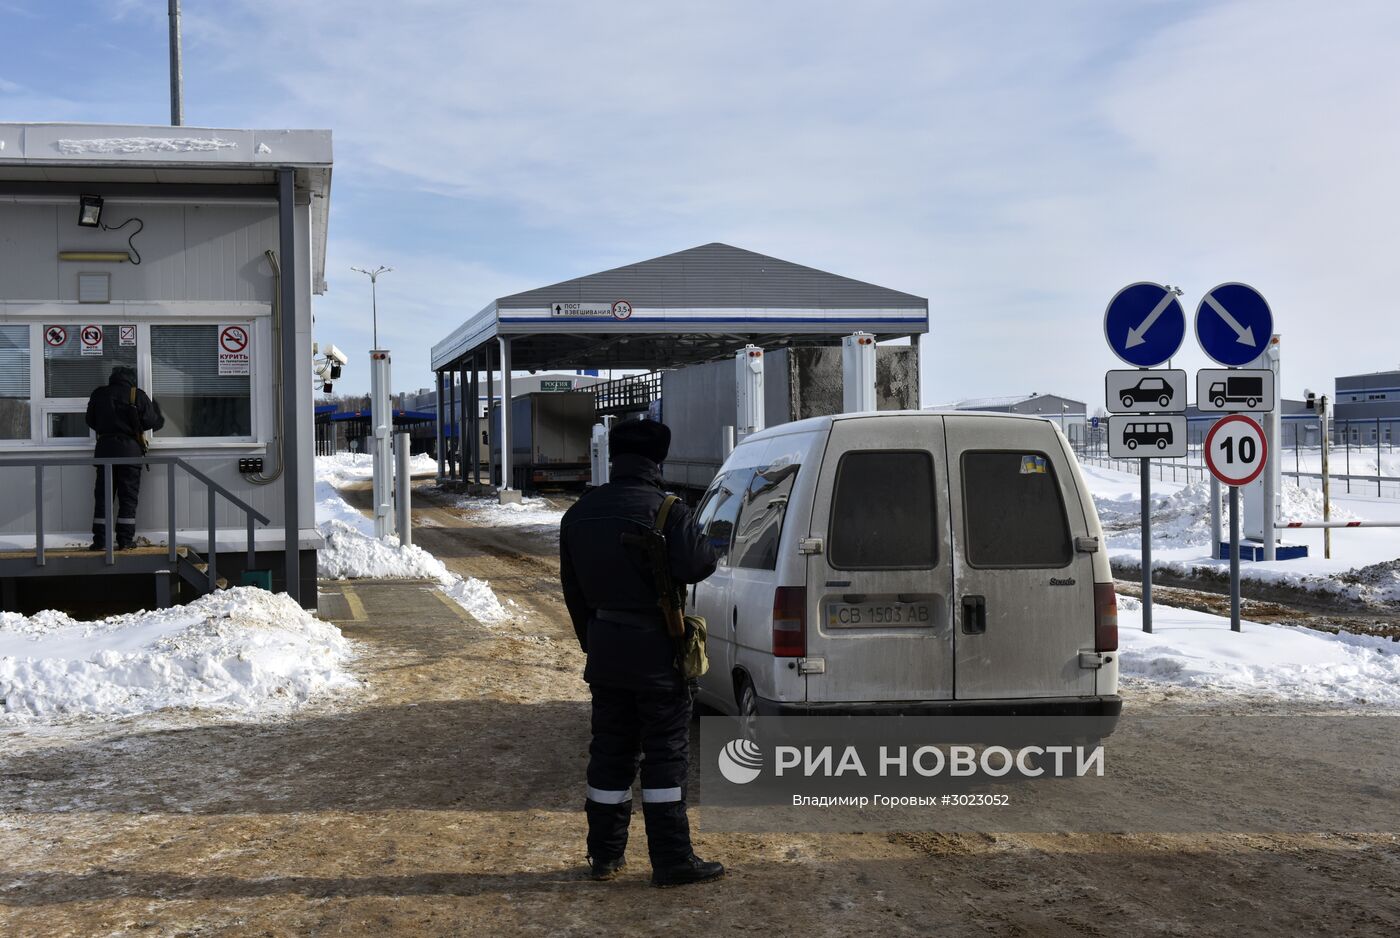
x=691, y=306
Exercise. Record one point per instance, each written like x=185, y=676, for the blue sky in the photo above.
x=1016, y=163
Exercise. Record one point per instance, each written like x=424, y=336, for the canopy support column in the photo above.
x=508, y=493
x=474, y=417
x=441, y=430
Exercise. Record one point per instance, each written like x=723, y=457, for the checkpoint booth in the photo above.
x=190, y=255
x=699, y=305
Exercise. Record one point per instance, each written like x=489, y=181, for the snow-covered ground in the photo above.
x=1364, y=561
x=353, y=552
x=243, y=651
x=532, y=512
x=1194, y=649
x=344, y=468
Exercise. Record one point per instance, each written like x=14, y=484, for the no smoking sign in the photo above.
x=1236, y=450
x=234, y=354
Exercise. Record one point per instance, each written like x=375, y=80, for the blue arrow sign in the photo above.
x=1234, y=324
x=1144, y=324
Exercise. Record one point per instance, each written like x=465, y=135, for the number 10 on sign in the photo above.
x=1236, y=450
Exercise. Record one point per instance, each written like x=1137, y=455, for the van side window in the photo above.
x=761, y=520
x=1015, y=514
x=722, y=508
x=882, y=512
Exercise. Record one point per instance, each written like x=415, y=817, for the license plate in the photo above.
x=877, y=615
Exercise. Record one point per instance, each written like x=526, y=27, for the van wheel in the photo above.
x=1161, y=443
x=748, y=710
x=1132, y=444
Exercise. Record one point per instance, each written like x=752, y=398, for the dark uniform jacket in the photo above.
x=118, y=421
x=600, y=573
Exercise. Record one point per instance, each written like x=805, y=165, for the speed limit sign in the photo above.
x=1236, y=450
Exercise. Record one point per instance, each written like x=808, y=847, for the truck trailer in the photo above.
x=699, y=401
x=549, y=439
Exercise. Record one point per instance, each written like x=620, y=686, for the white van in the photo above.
x=907, y=562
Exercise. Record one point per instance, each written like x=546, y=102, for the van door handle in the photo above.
x=974, y=615
x=735, y=618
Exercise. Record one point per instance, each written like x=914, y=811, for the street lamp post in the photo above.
x=373, y=276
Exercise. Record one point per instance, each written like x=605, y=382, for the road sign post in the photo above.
x=1236, y=451
x=1144, y=325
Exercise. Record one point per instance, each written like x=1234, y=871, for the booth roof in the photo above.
x=691, y=306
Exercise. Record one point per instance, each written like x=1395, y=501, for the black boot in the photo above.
x=603, y=870
x=673, y=862
x=607, y=835
x=691, y=870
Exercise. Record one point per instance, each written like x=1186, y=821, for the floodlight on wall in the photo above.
x=90, y=211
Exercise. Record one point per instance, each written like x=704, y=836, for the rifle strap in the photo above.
x=663, y=513
x=659, y=527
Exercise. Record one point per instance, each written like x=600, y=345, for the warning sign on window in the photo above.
x=90, y=339
x=235, y=353
x=126, y=336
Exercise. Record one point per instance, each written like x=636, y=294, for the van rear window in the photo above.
x=882, y=513
x=1015, y=515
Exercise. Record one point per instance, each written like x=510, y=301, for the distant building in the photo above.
x=1068, y=414
x=1366, y=408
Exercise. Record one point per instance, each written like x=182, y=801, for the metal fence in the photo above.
x=1301, y=464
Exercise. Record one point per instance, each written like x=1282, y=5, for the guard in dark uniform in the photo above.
x=120, y=413
x=641, y=703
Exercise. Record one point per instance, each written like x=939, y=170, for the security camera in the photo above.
x=326, y=387
x=336, y=354
x=335, y=370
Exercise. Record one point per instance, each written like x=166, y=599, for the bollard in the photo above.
x=404, y=481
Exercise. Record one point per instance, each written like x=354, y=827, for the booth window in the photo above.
x=195, y=398
x=69, y=372
x=14, y=382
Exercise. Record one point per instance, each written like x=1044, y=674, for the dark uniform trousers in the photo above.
x=126, y=480
x=639, y=715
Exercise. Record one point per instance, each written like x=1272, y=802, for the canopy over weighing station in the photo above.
x=693, y=306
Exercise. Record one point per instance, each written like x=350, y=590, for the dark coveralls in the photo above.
x=641, y=704
x=119, y=424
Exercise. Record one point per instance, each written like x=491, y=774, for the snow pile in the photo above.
x=242, y=650
x=533, y=512
x=1377, y=583
x=1181, y=517
x=346, y=468
x=1301, y=504
x=353, y=552
x=1194, y=649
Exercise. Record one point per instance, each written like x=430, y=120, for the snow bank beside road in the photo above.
x=353, y=552
x=240, y=650
x=1195, y=649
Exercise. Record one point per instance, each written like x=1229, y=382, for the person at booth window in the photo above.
x=120, y=413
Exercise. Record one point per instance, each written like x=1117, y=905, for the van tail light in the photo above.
x=790, y=621
x=1105, y=617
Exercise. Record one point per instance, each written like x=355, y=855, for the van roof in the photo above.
x=816, y=424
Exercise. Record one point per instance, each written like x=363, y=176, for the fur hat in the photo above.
x=640, y=437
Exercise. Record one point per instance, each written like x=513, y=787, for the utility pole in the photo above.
x=177, y=78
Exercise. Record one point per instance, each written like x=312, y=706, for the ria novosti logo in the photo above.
x=740, y=761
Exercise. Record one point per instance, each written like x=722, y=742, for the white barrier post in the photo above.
x=403, y=491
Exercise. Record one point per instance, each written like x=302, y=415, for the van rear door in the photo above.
x=1024, y=606
x=878, y=592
